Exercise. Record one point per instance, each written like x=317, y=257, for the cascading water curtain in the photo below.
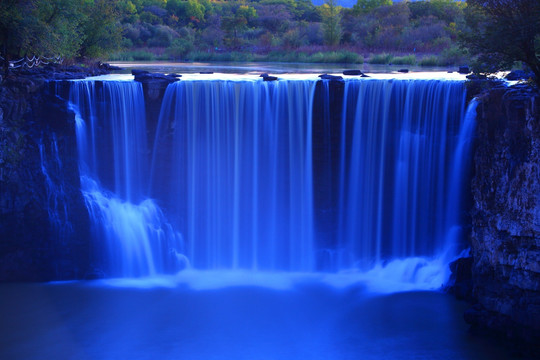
x=132, y=237
x=240, y=179
x=398, y=191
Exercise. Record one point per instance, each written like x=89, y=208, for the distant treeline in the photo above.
x=288, y=30
x=494, y=33
x=277, y=30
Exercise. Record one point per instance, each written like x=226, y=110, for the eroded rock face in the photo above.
x=505, y=236
x=39, y=182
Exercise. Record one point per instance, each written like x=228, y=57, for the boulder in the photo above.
x=353, y=72
x=464, y=70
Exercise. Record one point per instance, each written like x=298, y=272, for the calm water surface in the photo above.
x=271, y=68
x=309, y=320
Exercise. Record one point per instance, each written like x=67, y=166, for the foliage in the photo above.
x=331, y=18
x=501, y=32
x=67, y=28
x=285, y=30
x=367, y=6
x=404, y=60
x=382, y=59
x=431, y=60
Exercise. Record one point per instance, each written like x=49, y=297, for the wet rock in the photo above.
x=353, y=72
x=31, y=248
x=476, y=77
x=519, y=75
x=108, y=67
x=403, y=71
x=505, y=216
x=330, y=77
x=269, y=78
x=460, y=283
x=147, y=77
x=464, y=70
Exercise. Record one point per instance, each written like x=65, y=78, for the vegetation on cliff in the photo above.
x=66, y=28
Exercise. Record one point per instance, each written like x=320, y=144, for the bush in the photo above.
x=453, y=56
x=338, y=57
x=404, y=60
x=431, y=60
x=179, y=48
x=383, y=58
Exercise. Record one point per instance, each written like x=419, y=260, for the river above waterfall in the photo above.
x=269, y=67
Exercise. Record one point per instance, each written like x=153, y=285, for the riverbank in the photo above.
x=443, y=59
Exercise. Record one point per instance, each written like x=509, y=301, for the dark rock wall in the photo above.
x=35, y=125
x=505, y=235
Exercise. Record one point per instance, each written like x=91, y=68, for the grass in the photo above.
x=404, y=60
x=448, y=57
x=431, y=60
x=133, y=55
x=381, y=59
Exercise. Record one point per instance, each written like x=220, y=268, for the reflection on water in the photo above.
x=273, y=68
x=312, y=320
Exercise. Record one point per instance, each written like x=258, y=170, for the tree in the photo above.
x=236, y=23
x=100, y=28
x=39, y=27
x=366, y=6
x=501, y=32
x=331, y=16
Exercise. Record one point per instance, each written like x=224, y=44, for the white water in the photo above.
x=397, y=197
x=132, y=237
x=240, y=172
x=232, y=166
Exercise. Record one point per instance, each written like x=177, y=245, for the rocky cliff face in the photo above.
x=505, y=235
x=43, y=220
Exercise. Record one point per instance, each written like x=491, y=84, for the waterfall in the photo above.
x=57, y=200
x=400, y=140
x=132, y=236
x=241, y=172
x=235, y=167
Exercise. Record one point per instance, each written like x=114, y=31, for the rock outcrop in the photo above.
x=505, y=234
x=44, y=226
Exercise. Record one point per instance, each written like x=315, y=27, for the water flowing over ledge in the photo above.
x=296, y=175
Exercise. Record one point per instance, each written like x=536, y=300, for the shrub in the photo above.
x=431, y=60
x=336, y=57
x=453, y=56
x=404, y=60
x=383, y=58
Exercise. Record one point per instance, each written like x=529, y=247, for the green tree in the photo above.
x=39, y=27
x=366, y=6
x=331, y=17
x=187, y=10
x=236, y=23
x=100, y=28
x=501, y=32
